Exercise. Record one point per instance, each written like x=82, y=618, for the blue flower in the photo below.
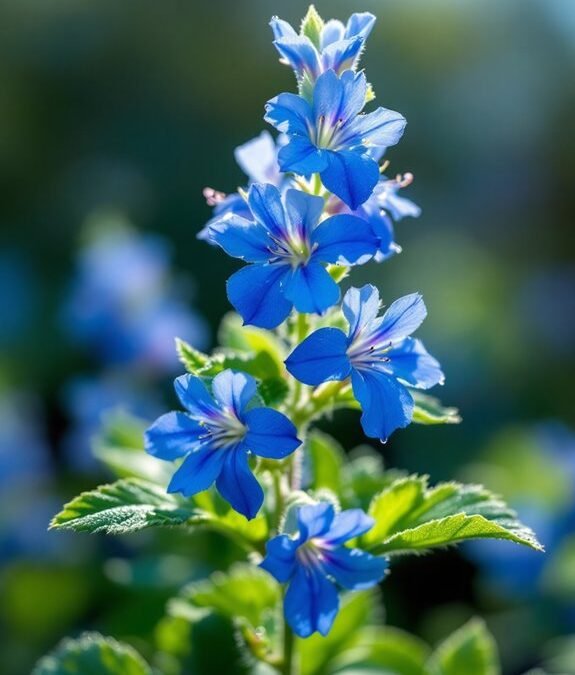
x=258, y=159
x=338, y=47
x=216, y=436
x=377, y=353
x=332, y=138
x=288, y=248
x=316, y=560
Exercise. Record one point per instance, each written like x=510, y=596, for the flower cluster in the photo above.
x=317, y=204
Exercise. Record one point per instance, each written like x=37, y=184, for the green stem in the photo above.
x=288, y=650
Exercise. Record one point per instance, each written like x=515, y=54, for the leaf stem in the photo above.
x=288, y=650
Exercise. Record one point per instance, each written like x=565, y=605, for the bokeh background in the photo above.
x=113, y=117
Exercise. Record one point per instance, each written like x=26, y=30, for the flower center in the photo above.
x=292, y=247
x=224, y=429
x=367, y=350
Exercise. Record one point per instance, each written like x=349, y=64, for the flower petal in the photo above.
x=234, y=390
x=342, y=55
x=193, y=395
x=290, y=114
x=344, y=239
x=351, y=176
x=258, y=159
x=301, y=55
x=266, y=204
x=314, y=519
x=360, y=23
x=241, y=238
x=173, y=435
x=354, y=569
x=360, y=306
x=280, y=557
x=301, y=156
x=347, y=525
x=402, y=318
x=410, y=362
x=382, y=128
x=281, y=28
x=256, y=294
x=386, y=404
x=311, y=602
x=238, y=485
x=311, y=288
x=270, y=433
x=198, y=471
x=320, y=357
x=332, y=31
x=303, y=212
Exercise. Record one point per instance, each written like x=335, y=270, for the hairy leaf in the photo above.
x=128, y=505
x=429, y=410
x=92, y=653
x=410, y=517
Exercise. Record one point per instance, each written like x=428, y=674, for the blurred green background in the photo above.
x=124, y=111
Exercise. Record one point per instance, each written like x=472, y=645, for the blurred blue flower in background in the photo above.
x=123, y=304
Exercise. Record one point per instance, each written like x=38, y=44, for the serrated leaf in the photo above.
x=384, y=651
x=193, y=360
x=411, y=518
x=323, y=457
x=429, y=410
x=92, y=653
x=312, y=26
x=128, y=505
x=470, y=650
x=317, y=652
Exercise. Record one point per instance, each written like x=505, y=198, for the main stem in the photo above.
x=288, y=656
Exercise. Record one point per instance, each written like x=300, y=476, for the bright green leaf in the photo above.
x=92, y=653
x=312, y=26
x=234, y=335
x=273, y=390
x=410, y=517
x=128, y=505
x=193, y=360
x=470, y=650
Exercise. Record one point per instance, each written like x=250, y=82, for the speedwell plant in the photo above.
x=319, y=529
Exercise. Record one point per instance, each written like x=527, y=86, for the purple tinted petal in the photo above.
x=238, y=485
x=256, y=294
x=386, y=404
x=270, y=433
x=198, y=472
x=320, y=357
x=173, y=435
x=234, y=390
x=342, y=55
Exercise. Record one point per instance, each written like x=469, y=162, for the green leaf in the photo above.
x=234, y=335
x=384, y=651
x=92, y=653
x=364, y=476
x=246, y=591
x=193, y=360
x=128, y=505
x=120, y=446
x=312, y=26
x=273, y=390
x=317, y=652
x=470, y=650
x=411, y=518
x=429, y=410
x=325, y=457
